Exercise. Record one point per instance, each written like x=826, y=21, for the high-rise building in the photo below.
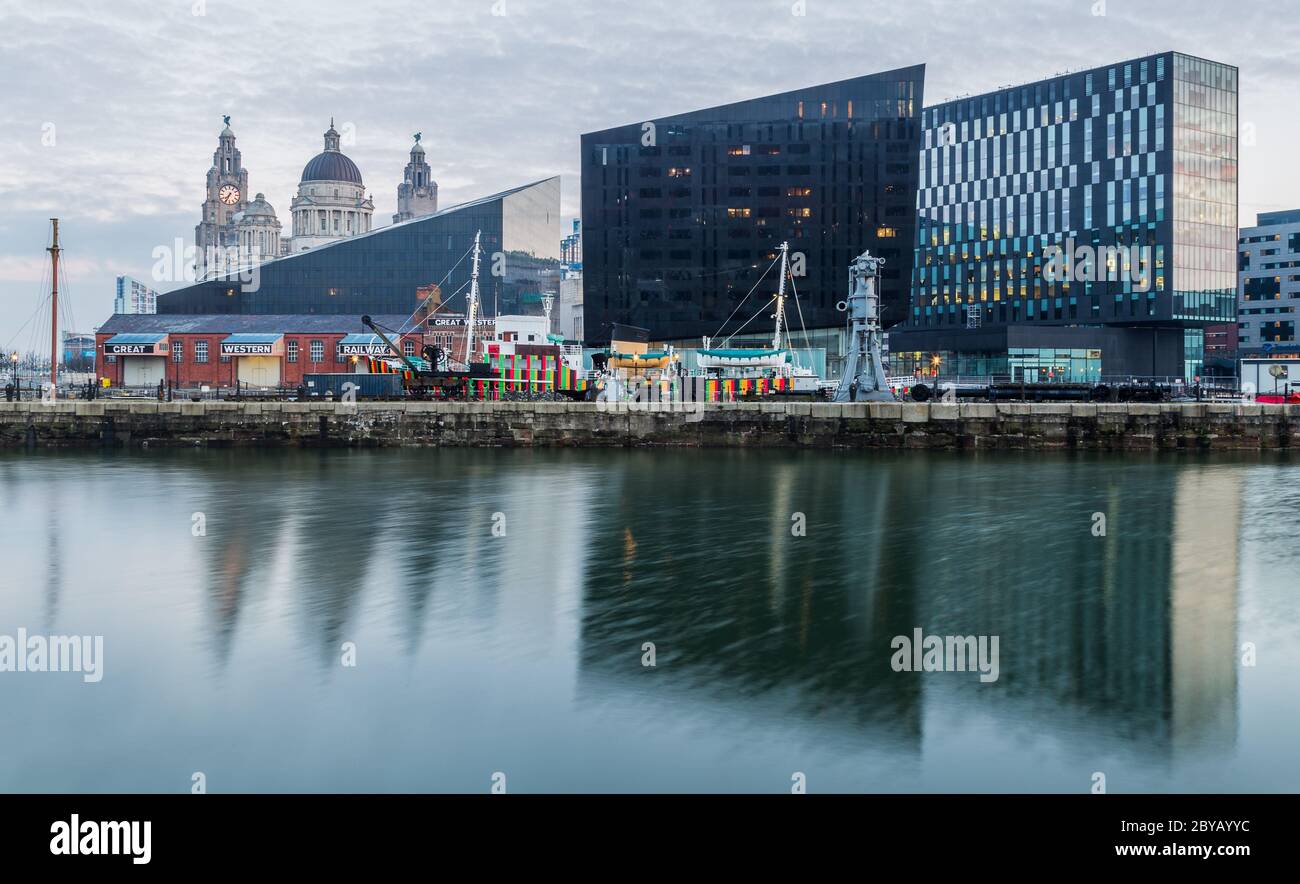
x=417, y=195
x=569, y=322
x=1076, y=228
x=571, y=249
x=133, y=296
x=1269, y=269
x=681, y=215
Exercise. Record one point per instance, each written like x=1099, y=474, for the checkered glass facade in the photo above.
x=1130, y=167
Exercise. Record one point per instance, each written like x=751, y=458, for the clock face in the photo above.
x=229, y=194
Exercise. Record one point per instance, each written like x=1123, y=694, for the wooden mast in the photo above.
x=54, y=310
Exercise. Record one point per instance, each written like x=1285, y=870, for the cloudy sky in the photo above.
x=111, y=110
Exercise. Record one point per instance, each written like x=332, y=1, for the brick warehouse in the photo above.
x=186, y=350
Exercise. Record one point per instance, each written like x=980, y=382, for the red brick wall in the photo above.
x=217, y=373
x=103, y=368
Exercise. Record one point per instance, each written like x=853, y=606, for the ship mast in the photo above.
x=54, y=310
x=780, y=297
x=471, y=308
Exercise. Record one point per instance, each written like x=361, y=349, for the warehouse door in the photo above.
x=142, y=371
x=260, y=371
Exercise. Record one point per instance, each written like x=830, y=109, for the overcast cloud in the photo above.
x=135, y=90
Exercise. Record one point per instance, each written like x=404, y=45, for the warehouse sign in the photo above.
x=247, y=349
x=129, y=349
x=451, y=321
x=375, y=349
x=252, y=345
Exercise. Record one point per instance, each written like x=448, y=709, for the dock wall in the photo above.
x=756, y=424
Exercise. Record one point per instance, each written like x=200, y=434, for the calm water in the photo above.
x=523, y=654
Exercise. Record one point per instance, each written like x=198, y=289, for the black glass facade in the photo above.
x=681, y=215
x=1130, y=170
x=380, y=271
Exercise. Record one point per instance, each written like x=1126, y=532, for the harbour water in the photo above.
x=499, y=607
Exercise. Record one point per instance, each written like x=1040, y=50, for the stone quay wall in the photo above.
x=1109, y=427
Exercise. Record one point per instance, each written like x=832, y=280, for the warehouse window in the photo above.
x=178, y=351
x=317, y=351
x=293, y=351
x=408, y=347
x=200, y=351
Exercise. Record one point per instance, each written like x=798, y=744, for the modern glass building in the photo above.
x=381, y=271
x=1079, y=227
x=681, y=215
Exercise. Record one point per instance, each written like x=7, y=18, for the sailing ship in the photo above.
x=777, y=361
x=487, y=367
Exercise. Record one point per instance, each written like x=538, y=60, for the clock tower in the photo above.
x=216, y=238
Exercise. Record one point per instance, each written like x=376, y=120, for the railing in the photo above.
x=1114, y=388
x=1108, y=380
x=199, y=394
x=29, y=389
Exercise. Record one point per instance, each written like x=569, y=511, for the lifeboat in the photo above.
x=743, y=358
x=654, y=359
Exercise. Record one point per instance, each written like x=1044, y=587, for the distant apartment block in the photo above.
x=1268, y=268
x=133, y=296
x=571, y=249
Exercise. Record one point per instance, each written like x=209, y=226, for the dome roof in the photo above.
x=331, y=165
x=259, y=206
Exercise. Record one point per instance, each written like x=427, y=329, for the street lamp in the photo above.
x=13, y=358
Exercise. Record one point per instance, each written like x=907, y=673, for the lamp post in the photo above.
x=13, y=358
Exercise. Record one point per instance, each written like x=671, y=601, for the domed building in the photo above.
x=258, y=232
x=331, y=203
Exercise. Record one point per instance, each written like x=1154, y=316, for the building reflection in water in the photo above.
x=1204, y=647
x=412, y=526
x=1128, y=637
x=739, y=609
x=245, y=514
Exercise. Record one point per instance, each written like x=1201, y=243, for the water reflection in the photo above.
x=770, y=583
x=1130, y=634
